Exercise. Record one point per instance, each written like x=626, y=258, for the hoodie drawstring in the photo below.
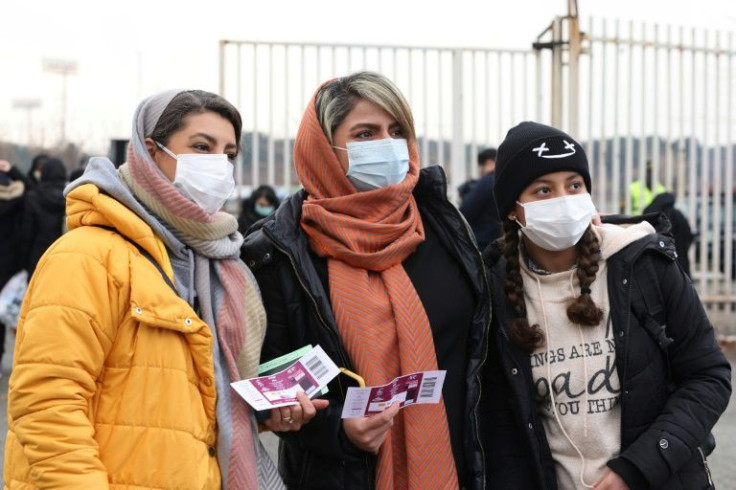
x=585, y=366
x=551, y=385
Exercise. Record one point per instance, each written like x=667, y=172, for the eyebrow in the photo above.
x=210, y=139
x=548, y=181
x=361, y=125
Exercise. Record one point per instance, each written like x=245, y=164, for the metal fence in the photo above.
x=463, y=99
x=630, y=92
x=663, y=95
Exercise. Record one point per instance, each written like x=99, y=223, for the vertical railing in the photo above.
x=637, y=93
x=659, y=97
x=271, y=83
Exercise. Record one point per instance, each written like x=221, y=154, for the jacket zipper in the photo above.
x=625, y=349
x=486, y=333
x=322, y=321
x=706, y=466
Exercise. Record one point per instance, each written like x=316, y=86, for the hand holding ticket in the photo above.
x=309, y=374
x=410, y=389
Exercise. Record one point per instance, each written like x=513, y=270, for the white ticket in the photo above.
x=309, y=374
x=410, y=389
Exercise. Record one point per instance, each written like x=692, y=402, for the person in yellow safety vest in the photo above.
x=643, y=193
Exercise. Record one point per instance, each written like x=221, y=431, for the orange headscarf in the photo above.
x=365, y=237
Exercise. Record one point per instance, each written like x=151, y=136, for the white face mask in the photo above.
x=378, y=163
x=559, y=223
x=205, y=178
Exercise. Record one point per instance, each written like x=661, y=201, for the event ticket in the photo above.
x=410, y=389
x=309, y=374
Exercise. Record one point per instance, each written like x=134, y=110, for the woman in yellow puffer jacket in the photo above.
x=137, y=319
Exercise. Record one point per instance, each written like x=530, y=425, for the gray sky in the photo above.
x=128, y=50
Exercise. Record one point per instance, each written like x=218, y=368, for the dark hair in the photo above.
x=38, y=161
x=76, y=173
x=53, y=170
x=194, y=102
x=581, y=311
x=265, y=191
x=487, y=154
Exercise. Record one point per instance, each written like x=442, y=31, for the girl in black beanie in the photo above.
x=603, y=370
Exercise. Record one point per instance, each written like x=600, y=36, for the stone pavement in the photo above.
x=722, y=461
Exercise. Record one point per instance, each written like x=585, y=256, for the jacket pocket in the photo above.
x=693, y=475
x=706, y=468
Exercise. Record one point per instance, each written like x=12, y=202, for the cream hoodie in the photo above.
x=585, y=431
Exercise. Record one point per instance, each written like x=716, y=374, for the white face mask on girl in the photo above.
x=205, y=178
x=378, y=163
x=559, y=223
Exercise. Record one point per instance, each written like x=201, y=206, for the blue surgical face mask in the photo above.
x=263, y=210
x=378, y=163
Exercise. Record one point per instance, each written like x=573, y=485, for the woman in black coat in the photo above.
x=406, y=293
x=261, y=204
x=43, y=217
x=603, y=369
x=12, y=189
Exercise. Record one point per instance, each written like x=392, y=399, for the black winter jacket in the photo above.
x=43, y=221
x=320, y=454
x=681, y=231
x=666, y=414
x=11, y=218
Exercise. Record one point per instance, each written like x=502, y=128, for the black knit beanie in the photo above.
x=529, y=151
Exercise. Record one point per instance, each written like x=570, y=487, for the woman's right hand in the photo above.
x=368, y=433
x=294, y=417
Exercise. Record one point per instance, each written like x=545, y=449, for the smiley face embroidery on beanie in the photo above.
x=541, y=149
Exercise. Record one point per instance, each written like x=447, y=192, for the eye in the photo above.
x=397, y=133
x=542, y=190
x=576, y=186
x=365, y=134
x=232, y=156
x=201, y=147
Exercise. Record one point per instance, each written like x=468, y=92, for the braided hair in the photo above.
x=581, y=311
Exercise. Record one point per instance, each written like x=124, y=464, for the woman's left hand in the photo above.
x=294, y=417
x=610, y=481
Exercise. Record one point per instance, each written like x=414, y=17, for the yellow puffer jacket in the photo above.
x=113, y=376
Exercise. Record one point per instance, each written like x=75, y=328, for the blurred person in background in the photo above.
x=76, y=173
x=681, y=231
x=43, y=215
x=478, y=206
x=139, y=317
x=643, y=191
x=486, y=164
x=372, y=262
x=34, y=173
x=261, y=203
x=12, y=190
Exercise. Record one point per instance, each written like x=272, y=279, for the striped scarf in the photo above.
x=240, y=321
x=365, y=237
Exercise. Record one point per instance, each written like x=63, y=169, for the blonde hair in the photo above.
x=336, y=100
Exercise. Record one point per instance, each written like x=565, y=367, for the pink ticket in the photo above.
x=309, y=374
x=410, y=389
